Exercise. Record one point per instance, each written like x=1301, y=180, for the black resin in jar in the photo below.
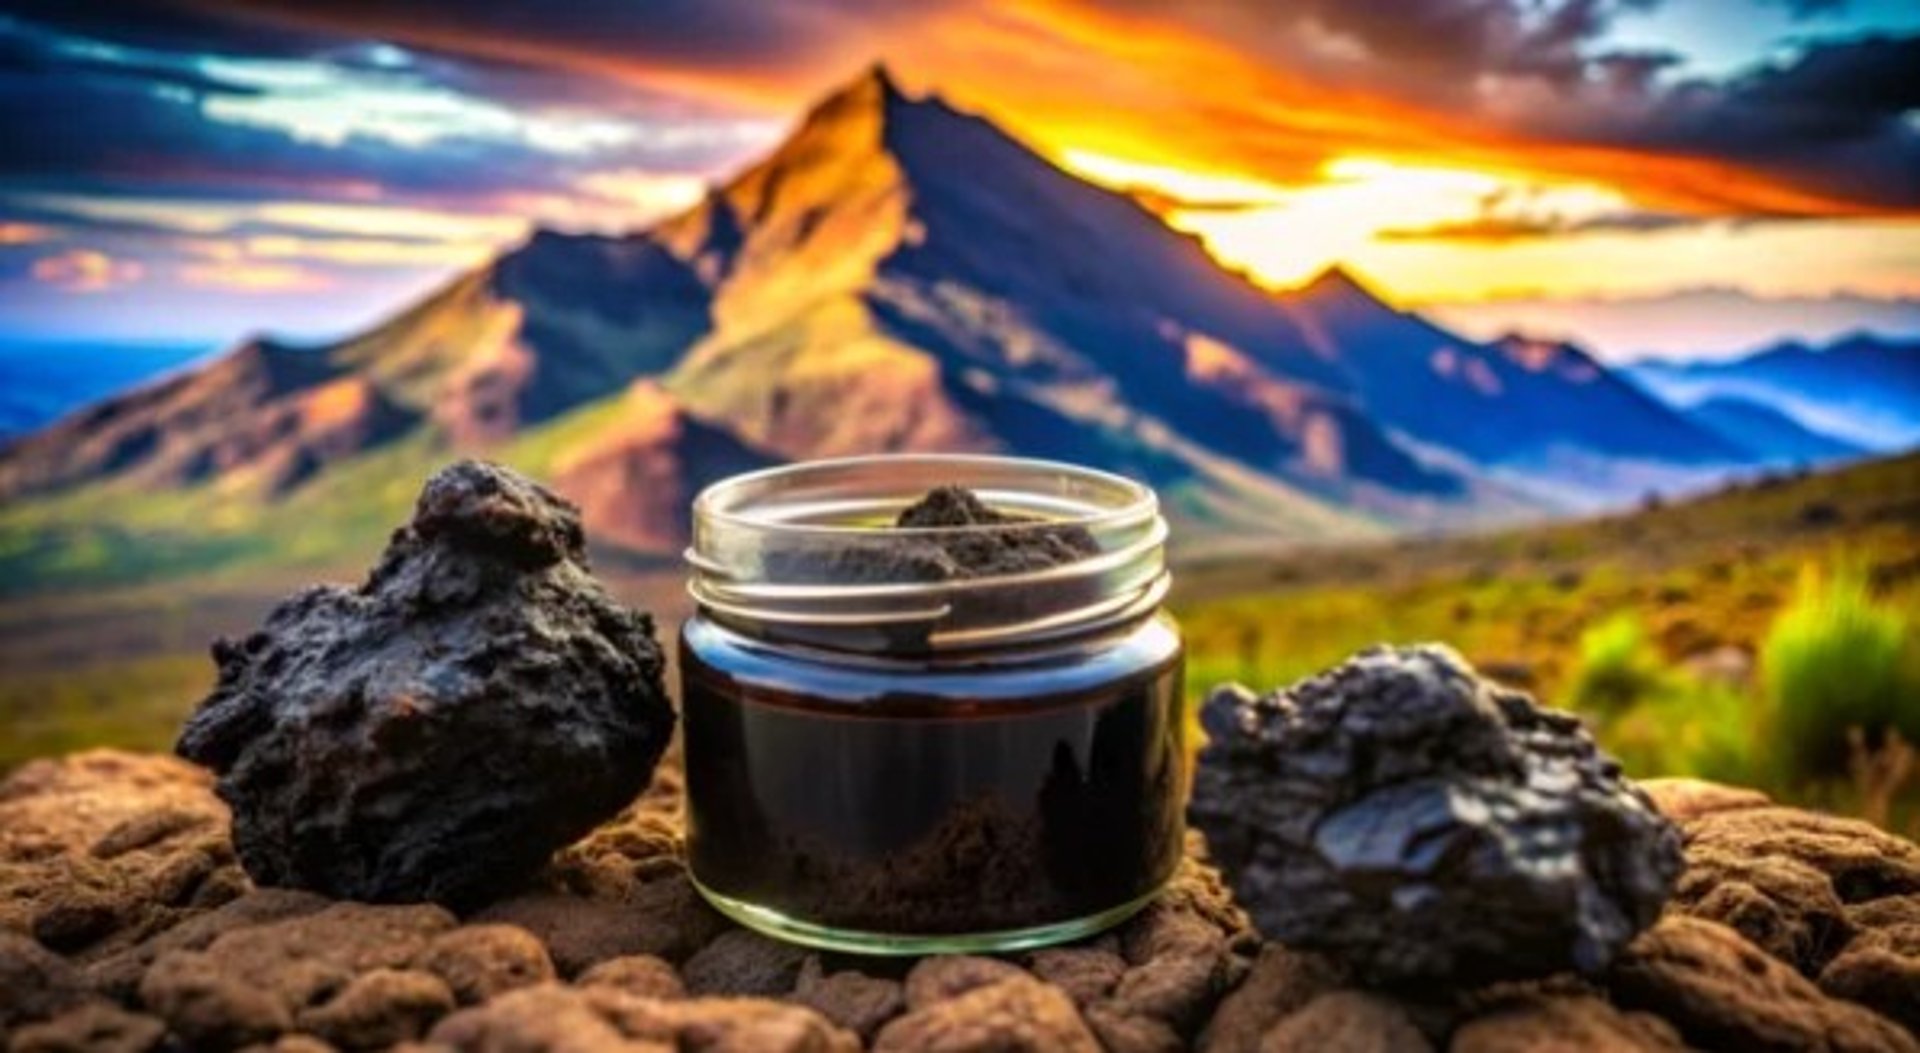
x=920, y=722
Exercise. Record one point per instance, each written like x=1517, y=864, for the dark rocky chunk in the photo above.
x=1417, y=822
x=438, y=732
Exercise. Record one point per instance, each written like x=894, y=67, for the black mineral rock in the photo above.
x=1417, y=822
x=436, y=733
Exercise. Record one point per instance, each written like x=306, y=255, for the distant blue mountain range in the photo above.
x=1862, y=389
x=40, y=381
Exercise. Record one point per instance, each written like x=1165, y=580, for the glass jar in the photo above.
x=884, y=760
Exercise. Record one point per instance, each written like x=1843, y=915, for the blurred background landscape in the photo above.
x=1581, y=334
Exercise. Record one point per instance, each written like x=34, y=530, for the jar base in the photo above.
x=770, y=922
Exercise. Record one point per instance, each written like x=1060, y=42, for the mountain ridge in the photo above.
x=1862, y=388
x=897, y=275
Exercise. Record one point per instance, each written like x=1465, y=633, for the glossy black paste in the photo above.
x=935, y=795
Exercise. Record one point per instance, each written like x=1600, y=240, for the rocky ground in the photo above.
x=125, y=924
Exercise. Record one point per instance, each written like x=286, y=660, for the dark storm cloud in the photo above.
x=266, y=31
x=1432, y=44
x=113, y=113
x=1839, y=118
x=723, y=34
x=1835, y=120
x=170, y=27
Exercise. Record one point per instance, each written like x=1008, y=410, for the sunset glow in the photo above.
x=1505, y=157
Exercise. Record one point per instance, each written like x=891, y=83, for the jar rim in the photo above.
x=1142, y=503
x=780, y=551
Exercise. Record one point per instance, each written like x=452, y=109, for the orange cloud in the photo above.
x=24, y=233
x=250, y=276
x=85, y=271
x=1145, y=82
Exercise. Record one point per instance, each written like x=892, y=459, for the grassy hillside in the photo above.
x=1658, y=624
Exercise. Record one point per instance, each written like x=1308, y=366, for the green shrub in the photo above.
x=1617, y=669
x=1693, y=727
x=1833, y=660
x=1656, y=719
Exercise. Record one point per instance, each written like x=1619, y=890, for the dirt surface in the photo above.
x=125, y=926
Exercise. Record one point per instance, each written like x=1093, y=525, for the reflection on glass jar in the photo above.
x=883, y=759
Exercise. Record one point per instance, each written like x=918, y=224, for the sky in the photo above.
x=1675, y=176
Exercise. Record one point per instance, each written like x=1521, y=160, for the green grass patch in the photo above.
x=1835, y=661
x=135, y=704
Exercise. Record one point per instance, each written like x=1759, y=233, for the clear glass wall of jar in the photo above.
x=882, y=763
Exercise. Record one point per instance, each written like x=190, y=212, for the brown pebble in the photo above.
x=480, y=961
x=97, y=1027
x=640, y=975
x=1018, y=1014
x=1348, y=1021
x=742, y=962
x=1122, y=1032
x=379, y=1008
x=1722, y=992
x=1880, y=969
x=36, y=982
x=1087, y=974
x=851, y=999
x=1280, y=982
x=1564, y=1024
x=667, y=919
x=944, y=976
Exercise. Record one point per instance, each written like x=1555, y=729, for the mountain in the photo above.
x=1863, y=388
x=1769, y=434
x=265, y=411
x=1514, y=401
x=896, y=276
x=41, y=381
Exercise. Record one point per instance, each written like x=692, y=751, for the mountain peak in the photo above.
x=1335, y=280
x=878, y=79
x=870, y=94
